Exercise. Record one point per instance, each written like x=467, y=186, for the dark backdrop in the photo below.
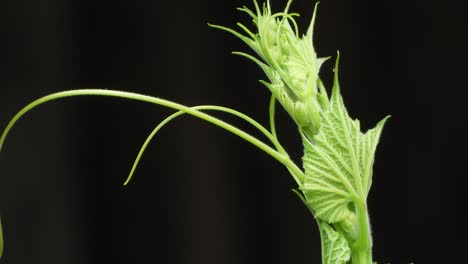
x=200, y=194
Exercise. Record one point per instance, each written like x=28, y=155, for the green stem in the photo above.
x=272, y=115
x=361, y=257
x=283, y=159
x=361, y=249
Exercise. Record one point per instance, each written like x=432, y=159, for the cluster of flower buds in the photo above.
x=290, y=63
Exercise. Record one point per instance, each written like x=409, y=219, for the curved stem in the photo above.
x=272, y=115
x=297, y=174
x=202, y=107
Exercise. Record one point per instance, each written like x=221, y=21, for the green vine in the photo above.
x=336, y=174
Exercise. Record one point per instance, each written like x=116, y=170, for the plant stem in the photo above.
x=361, y=249
x=361, y=257
x=296, y=172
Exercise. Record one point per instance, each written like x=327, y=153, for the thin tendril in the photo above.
x=150, y=137
x=297, y=173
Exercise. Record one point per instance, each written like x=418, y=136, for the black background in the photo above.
x=200, y=194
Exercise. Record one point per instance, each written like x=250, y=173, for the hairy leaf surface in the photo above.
x=335, y=249
x=338, y=162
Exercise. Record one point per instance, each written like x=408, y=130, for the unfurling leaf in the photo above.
x=338, y=162
x=335, y=249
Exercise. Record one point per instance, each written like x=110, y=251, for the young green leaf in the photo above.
x=338, y=162
x=335, y=249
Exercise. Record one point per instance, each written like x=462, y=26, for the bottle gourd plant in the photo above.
x=338, y=157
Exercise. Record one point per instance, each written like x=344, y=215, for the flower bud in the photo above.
x=289, y=61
